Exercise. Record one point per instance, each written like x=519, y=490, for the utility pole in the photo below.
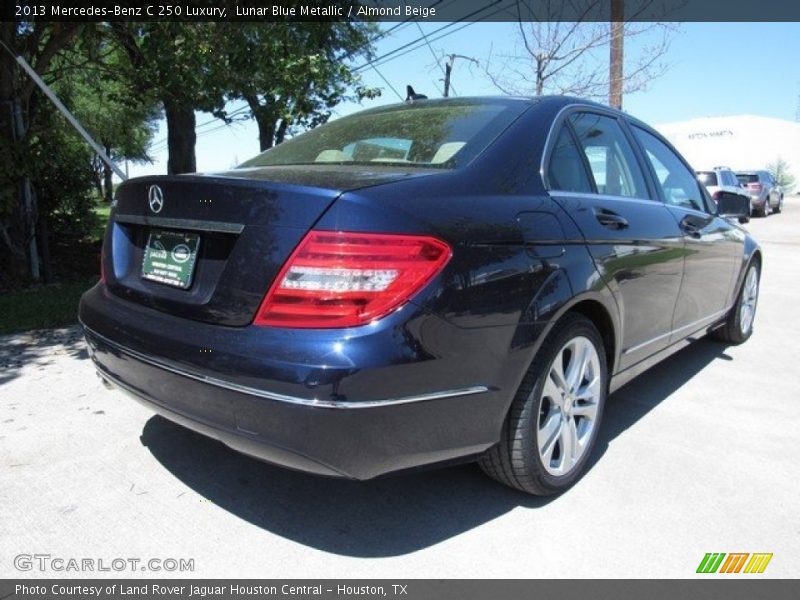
x=448, y=69
x=616, y=59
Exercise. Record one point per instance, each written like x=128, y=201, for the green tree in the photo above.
x=119, y=117
x=781, y=173
x=20, y=104
x=292, y=74
x=180, y=65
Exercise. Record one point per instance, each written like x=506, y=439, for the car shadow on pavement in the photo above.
x=392, y=515
x=37, y=348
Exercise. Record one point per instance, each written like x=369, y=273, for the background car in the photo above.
x=447, y=280
x=723, y=179
x=767, y=195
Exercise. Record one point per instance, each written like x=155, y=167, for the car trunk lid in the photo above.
x=239, y=228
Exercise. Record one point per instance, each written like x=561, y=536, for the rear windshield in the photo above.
x=707, y=177
x=747, y=177
x=432, y=135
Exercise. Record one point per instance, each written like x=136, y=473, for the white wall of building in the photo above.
x=739, y=142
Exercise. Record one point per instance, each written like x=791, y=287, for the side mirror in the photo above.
x=732, y=205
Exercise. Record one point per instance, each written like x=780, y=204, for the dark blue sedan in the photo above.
x=424, y=283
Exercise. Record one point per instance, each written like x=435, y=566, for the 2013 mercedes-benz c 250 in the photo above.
x=420, y=284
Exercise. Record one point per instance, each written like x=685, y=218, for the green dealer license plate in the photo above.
x=170, y=256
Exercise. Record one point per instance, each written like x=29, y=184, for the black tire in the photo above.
x=731, y=331
x=779, y=208
x=515, y=461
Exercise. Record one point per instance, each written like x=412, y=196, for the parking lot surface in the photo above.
x=698, y=455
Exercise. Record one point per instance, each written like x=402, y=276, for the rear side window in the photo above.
x=707, y=177
x=611, y=158
x=566, y=170
x=677, y=182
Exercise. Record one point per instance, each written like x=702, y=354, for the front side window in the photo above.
x=677, y=182
x=611, y=158
x=430, y=135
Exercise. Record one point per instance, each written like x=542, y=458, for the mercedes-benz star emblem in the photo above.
x=156, y=198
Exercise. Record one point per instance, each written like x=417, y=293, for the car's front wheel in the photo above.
x=552, y=425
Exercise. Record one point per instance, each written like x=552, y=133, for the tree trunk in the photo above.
x=44, y=248
x=181, y=138
x=281, y=133
x=12, y=236
x=266, y=131
x=616, y=61
x=108, y=179
x=539, y=75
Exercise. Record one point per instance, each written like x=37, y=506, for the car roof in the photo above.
x=554, y=101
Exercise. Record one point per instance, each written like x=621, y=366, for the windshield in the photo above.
x=432, y=135
x=747, y=177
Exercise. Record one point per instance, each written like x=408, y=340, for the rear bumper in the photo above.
x=391, y=418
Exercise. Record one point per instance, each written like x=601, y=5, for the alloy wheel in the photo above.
x=568, y=406
x=747, y=310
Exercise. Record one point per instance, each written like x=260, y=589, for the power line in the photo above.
x=159, y=145
x=387, y=83
x=393, y=53
x=436, y=58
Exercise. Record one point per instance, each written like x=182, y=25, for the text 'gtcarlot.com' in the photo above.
x=61, y=564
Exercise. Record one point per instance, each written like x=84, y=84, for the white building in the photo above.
x=739, y=142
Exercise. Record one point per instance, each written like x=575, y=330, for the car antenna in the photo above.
x=412, y=96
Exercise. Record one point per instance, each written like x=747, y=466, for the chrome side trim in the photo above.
x=191, y=224
x=597, y=197
x=229, y=385
x=708, y=319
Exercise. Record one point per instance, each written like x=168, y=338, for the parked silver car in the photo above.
x=766, y=194
x=722, y=179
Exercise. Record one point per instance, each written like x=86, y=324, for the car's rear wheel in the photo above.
x=738, y=327
x=552, y=425
x=779, y=208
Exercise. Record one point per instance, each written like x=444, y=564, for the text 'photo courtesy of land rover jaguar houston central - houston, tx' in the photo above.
x=418, y=284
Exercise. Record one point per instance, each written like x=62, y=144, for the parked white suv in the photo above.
x=723, y=179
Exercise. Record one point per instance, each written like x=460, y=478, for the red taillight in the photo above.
x=339, y=279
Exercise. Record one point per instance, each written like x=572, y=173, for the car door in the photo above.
x=712, y=243
x=595, y=174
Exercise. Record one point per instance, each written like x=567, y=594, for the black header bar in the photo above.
x=397, y=10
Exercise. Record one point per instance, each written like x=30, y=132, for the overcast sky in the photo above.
x=715, y=69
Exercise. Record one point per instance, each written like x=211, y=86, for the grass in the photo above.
x=54, y=305
x=101, y=209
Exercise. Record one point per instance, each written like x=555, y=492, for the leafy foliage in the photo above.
x=781, y=173
x=292, y=74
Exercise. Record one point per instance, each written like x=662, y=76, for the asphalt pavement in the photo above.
x=700, y=454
